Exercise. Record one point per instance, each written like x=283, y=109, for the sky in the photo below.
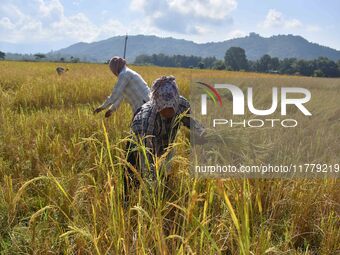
x=44, y=25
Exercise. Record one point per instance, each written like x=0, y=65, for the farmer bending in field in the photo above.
x=130, y=85
x=156, y=124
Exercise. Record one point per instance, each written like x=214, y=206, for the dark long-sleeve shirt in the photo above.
x=158, y=132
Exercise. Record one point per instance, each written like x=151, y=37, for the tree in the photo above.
x=286, y=66
x=175, y=61
x=143, y=59
x=235, y=59
x=252, y=65
x=218, y=65
x=39, y=56
x=209, y=62
x=318, y=73
x=200, y=65
x=75, y=60
x=274, y=64
x=304, y=67
x=328, y=67
x=263, y=64
x=2, y=55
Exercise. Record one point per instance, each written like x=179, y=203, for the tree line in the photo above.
x=235, y=60
x=2, y=55
x=41, y=57
x=175, y=61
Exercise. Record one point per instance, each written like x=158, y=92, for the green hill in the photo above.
x=281, y=46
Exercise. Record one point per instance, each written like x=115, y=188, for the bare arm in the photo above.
x=117, y=94
x=187, y=120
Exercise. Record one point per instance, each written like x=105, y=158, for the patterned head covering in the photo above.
x=164, y=93
x=116, y=64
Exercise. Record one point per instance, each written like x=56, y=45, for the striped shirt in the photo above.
x=159, y=132
x=131, y=87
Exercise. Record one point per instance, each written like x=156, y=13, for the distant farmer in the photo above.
x=156, y=124
x=130, y=86
x=60, y=70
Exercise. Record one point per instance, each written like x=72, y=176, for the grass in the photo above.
x=61, y=187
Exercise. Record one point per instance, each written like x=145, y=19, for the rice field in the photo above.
x=61, y=167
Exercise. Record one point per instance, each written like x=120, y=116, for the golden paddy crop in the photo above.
x=60, y=173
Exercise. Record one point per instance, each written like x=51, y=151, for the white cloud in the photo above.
x=277, y=22
x=75, y=27
x=137, y=5
x=6, y=23
x=275, y=19
x=293, y=23
x=110, y=28
x=198, y=7
x=45, y=20
x=76, y=2
x=53, y=8
x=186, y=17
x=212, y=9
x=236, y=34
x=313, y=28
x=17, y=26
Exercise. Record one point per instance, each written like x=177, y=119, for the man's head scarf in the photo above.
x=164, y=93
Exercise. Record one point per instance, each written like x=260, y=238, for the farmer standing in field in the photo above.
x=156, y=124
x=130, y=86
